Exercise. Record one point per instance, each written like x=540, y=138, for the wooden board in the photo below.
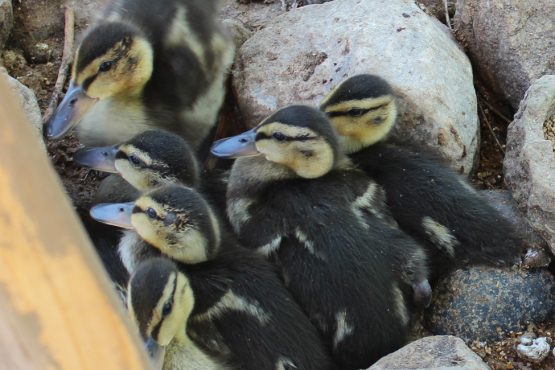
x=57, y=307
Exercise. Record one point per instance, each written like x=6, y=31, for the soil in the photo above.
x=502, y=355
x=39, y=72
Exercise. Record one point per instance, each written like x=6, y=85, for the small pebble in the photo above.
x=549, y=130
x=537, y=351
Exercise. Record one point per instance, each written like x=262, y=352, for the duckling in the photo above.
x=242, y=313
x=428, y=200
x=147, y=64
x=149, y=160
x=160, y=303
x=294, y=198
x=153, y=158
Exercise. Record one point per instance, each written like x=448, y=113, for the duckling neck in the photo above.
x=251, y=173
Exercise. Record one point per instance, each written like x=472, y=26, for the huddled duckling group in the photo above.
x=316, y=247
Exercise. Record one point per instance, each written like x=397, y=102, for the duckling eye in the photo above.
x=150, y=212
x=105, y=66
x=278, y=136
x=167, y=308
x=356, y=112
x=135, y=160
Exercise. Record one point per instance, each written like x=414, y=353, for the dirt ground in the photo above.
x=38, y=70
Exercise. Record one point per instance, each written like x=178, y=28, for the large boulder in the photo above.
x=6, y=21
x=254, y=15
x=301, y=55
x=529, y=164
x=510, y=42
x=485, y=304
x=442, y=352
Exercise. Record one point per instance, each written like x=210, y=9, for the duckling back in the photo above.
x=439, y=208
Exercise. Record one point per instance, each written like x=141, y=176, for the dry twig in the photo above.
x=447, y=20
x=486, y=120
x=496, y=111
x=64, y=65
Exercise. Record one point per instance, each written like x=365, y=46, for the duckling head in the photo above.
x=298, y=137
x=160, y=300
x=114, y=60
x=150, y=159
x=362, y=109
x=173, y=218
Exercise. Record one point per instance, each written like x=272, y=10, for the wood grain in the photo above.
x=57, y=307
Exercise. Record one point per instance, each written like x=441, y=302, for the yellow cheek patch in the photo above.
x=128, y=75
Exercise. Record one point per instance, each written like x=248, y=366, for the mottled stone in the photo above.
x=6, y=21
x=442, y=352
x=301, y=55
x=484, y=304
x=28, y=102
x=529, y=163
x=254, y=15
x=240, y=33
x=511, y=43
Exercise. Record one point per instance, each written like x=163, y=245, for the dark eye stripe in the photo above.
x=156, y=331
x=88, y=82
x=346, y=113
x=264, y=136
x=121, y=155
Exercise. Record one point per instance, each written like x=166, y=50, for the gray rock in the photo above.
x=240, y=33
x=87, y=11
x=28, y=102
x=254, y=15
x=529, y=163
x=484, y=304
x=510, y=42
x=301, y=55
x=442, y=352
x=6, y=21
x=436, y=8
x=537, y=256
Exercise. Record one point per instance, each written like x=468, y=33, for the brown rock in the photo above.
x=442, y=352
x=529, y=164
x=511, y=43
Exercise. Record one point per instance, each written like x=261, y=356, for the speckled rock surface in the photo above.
x=529, y=163
x=87, y=11
x=442, y=352
x=6, y=21
x=510, y=42
x=254, y=15
x=484, y=303
x=311, y=49
x=28, y=102
x=503, y=201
